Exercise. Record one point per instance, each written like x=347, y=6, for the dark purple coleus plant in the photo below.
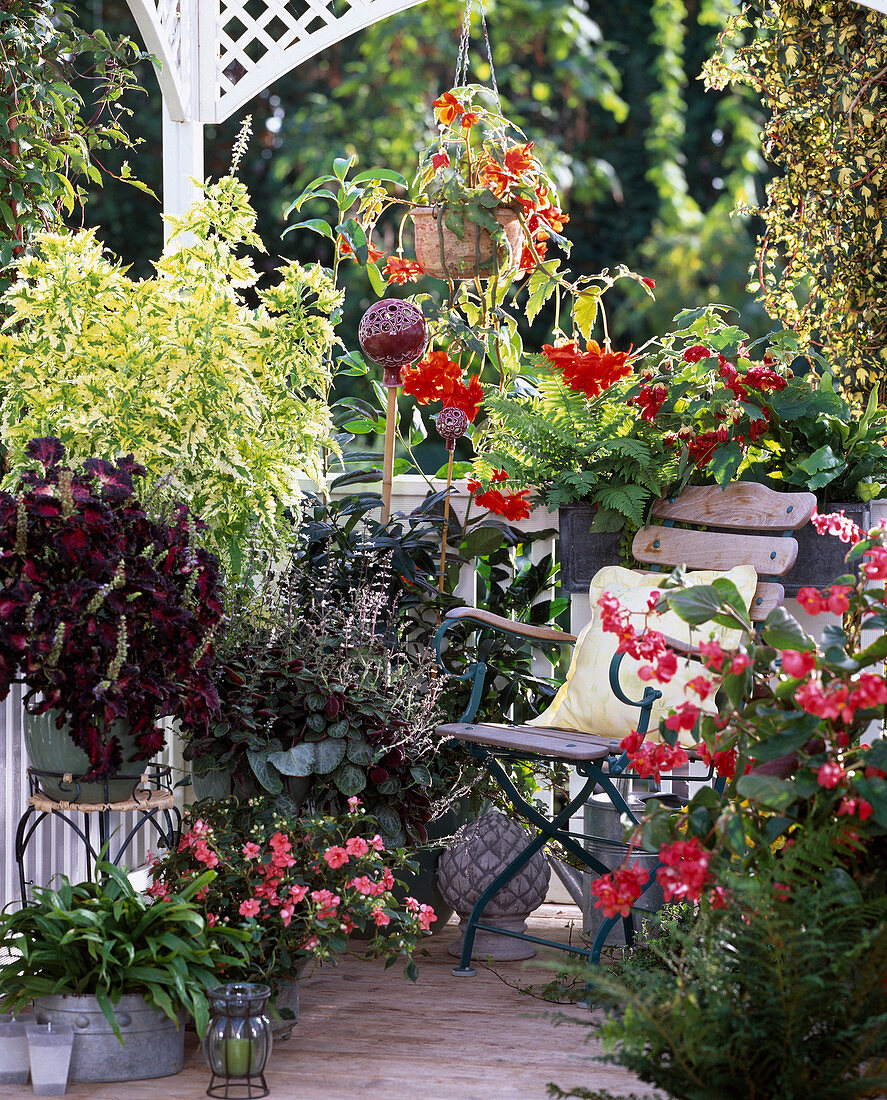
x=105, y=614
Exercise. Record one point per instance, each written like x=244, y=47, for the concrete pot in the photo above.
x=153, y=1046
x=442, y=254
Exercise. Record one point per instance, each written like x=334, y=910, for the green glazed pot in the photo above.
x=51, y=750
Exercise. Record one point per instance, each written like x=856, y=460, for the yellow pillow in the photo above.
x=586, y=702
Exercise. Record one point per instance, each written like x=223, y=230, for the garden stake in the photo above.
x=451, y=423
x=392, y=334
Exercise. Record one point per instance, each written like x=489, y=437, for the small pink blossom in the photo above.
x=798, y=663
x=377, y=843
x=250, y=907
x=336, y=856
x=830, y=774
x=354, y=802
x=381, y=918
x=356, y=846
x=251, y=850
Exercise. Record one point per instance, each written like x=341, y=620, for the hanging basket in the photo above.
x=442, y=255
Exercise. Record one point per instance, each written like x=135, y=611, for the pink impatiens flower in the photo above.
x=250, y=907
x=336, y=856
x=356, y=846
x=251, y=850
x=830, y=774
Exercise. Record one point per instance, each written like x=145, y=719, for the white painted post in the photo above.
x=182, y=164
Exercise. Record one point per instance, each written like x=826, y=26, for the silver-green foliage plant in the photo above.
x=105, y=940
x=224, y=404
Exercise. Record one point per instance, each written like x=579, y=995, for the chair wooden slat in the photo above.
x=739, y=506
x=670, y=546
x=511, y=626
x=558, y=744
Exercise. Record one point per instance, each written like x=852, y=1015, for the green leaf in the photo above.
x=541, y=286
x=350, y=779
x=270, y=780
x=354, y=234
x=776, y=794
x=328, y=754
x=783, y=631
x=316, y=225
x=341, y=166
x=384, y=175
x=297, y=761
x=585, y=309
x=696, y=605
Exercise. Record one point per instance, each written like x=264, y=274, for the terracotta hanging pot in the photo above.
x=442, y=255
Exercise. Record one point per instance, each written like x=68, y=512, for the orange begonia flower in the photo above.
x=519, y=158
x=401, y=271
x=592, y=371
x=373, y=253
x=496, y=178
x=439, y=378
x=440, y=160
x=469, y=118
x=447, y=107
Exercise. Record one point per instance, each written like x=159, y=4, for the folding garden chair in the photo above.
x=743, y=525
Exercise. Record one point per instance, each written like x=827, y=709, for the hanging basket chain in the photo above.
x=461, y=77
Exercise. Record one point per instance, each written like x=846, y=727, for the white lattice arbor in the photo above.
x=218, y=54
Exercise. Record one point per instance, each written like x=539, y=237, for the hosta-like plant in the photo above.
x=105, y=613
x=105, y=940
x=224, y=404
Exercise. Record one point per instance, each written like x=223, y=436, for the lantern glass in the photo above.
x=238, y=1040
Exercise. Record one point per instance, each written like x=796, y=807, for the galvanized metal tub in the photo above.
x=153, y=1047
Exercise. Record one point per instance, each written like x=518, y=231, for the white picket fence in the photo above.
x=55, y=848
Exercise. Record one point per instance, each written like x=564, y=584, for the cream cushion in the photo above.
x=585, y=702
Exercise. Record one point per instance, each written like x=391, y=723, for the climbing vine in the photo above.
x=821, y=70
x=54, y=130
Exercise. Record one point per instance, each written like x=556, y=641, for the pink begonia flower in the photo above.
x=387, y=879
x=411, y=904
x=354, y=802
x=158, y=889
x=738, y=664
x=830, y=774
x=713, y=655
x=381, y=918
x=426, y=916
x=297, y=893
x=251, y=850
x=250, y=907
x=837, y=524
x=211, y=919
x=377, y=843
x=685, y=869
x=286, y=915
x=855, y=805
x=798, y=663
x=200, y=828
x=356, y=846
x=280, y=843
x=310, y=943
x=876, y=569
x=701, y=685
x=336, y=856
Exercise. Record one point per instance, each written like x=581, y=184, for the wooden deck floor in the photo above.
x=367, y=1032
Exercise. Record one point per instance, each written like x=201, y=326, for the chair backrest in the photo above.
x=743, y=523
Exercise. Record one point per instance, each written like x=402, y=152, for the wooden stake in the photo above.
x=446, y=522
x=388, y=463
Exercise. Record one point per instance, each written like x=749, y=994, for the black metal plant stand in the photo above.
x=151, y=797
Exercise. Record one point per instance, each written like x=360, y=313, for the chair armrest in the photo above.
x=510, y=626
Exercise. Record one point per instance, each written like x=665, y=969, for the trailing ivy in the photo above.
x=821, y=68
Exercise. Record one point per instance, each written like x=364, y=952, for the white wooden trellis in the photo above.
x=217, y=54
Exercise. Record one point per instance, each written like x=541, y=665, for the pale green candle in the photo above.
x=236, y=1055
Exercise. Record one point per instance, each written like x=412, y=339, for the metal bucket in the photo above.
x=605, y=843
x=153, y=1047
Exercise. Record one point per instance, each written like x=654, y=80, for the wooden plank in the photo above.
x=499, y=622
x=741, y=505
x=768, y=595
x=669, y=546
x=538, y=740
x=366, y=1032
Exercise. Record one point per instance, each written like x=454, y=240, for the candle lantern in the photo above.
x=238, y=1040
x=49, y=1052
x=392, y=333
x=13, y=1051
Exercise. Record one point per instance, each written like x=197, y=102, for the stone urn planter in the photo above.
x=443, y=255
x=153, y=1046
x=480, y=851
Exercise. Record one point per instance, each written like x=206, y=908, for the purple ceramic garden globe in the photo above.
x=392, y=333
